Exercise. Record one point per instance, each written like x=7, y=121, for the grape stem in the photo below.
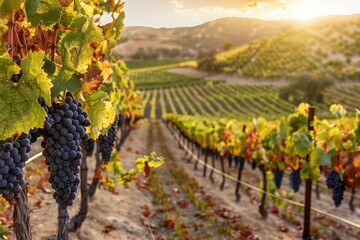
x=54, y=41
x=18, y=44
x=10, y=40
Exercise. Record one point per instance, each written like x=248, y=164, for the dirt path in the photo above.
x=121, y=212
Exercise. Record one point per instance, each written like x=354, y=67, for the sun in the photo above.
x=305, y=10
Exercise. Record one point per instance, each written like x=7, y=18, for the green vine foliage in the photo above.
x=64, y=46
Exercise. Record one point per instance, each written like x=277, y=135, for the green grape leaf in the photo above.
x=99, y=95
x=319, y=156
x=101, y=114
x=9, y=6
x=47, y=12
x=85, y=7
x=65, y=80
x=301, y=143
x=49, y=66
x=77, y=47
x=19, y=106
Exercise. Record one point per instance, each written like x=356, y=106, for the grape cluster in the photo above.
x=295, y=180
x=16, y=77
x=278, y=175
x=89, y=147
x=12, y=161
x=65, y=128
x=334, y=182
x=106, y=142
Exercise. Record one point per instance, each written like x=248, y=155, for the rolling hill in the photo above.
x=188, y=41
x=327, y=45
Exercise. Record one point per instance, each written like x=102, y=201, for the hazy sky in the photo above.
x=170, y=13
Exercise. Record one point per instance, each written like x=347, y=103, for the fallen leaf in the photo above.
x=108, y=228
x=183, y=203
x=283, y=229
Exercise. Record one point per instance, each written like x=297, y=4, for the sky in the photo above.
x=173, y=13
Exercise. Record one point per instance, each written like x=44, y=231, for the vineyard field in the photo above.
x=174, y=93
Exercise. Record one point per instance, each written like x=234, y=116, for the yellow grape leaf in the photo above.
x=19, y=106
x=77, y=47
x=106, y=70
x=101, y=114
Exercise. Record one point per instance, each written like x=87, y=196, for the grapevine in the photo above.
x=63, y=84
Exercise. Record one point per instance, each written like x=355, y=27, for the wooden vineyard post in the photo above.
x=213, y=166
x=240, y=170
x=308, y=185
x=198, y=157
x=206, y=161
x=222, y=185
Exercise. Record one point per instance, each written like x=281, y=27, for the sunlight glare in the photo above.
x=305, y=10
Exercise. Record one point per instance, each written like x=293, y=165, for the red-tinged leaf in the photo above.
x=338, y=225
x=170, y=224
x=98, y=173
x=93, y=81
x=147, y=169
x=283, y=229
x=183, y=203
x=108, y=228
x=147, y=211
x=274, y=210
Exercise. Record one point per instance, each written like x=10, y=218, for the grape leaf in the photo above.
x=65, y=80
x=8, y=6
x=77, y=47
x=113, y=29
x=19, y=106
x=85, y=7
x=49, y=66
x=301, y=142
x=47, y=12
x=101, y=114
x=320, y=157
x=93, y=81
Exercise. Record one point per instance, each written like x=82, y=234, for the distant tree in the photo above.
x=207, y=61
x=228, y=45
x=306, y=87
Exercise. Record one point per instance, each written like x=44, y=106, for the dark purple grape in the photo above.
x=62, y=143
x=334, y=182
x=295, y=180
x=107, y=142
x=278, y=176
